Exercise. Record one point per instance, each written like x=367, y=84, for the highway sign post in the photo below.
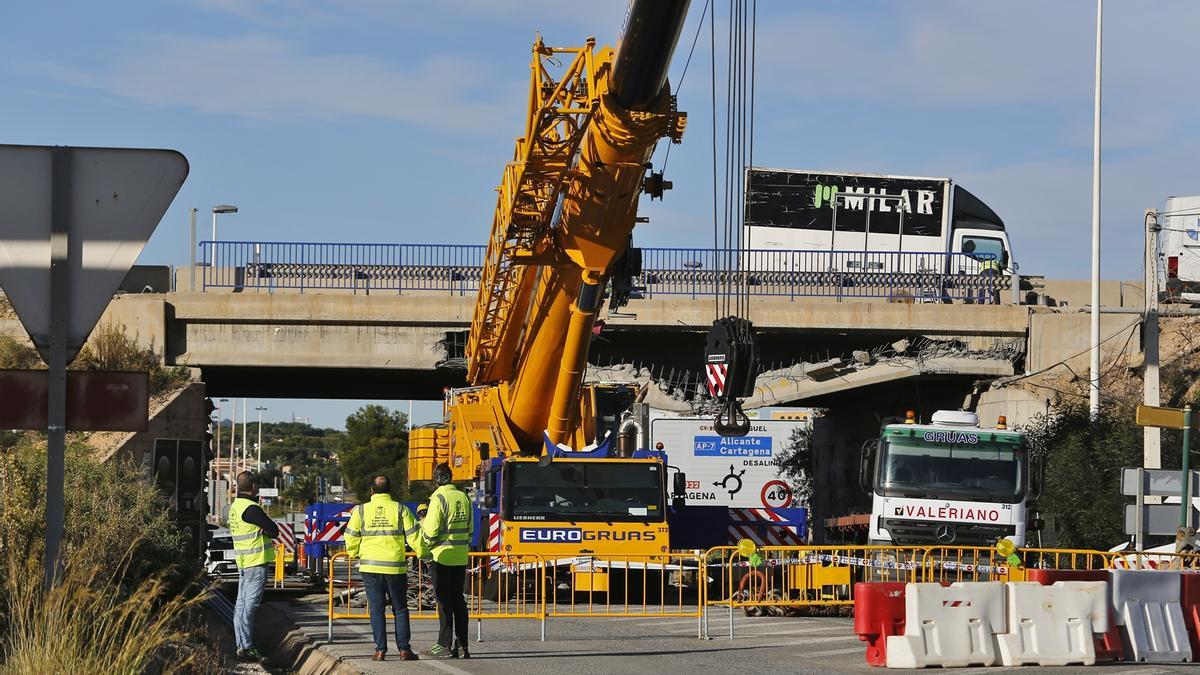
x=72, y=223
x=1175, y=418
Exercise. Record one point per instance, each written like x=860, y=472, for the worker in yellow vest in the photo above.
x=446, y=529
x=252, y=531
x=375, y=536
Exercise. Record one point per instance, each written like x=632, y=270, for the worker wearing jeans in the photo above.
x=446, y=529
x=376, y=535
x=252, y=531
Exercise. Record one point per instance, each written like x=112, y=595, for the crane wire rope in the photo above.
x=731, y=285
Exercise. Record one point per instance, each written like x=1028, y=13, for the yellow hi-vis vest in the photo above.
x=250, y=544
x=448, y=525
x=376, y=534
x=991, y=264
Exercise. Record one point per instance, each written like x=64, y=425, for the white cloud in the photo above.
x=271, y=78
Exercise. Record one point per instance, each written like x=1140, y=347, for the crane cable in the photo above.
x=731, y=290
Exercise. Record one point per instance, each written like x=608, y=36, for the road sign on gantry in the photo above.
x=113, y=197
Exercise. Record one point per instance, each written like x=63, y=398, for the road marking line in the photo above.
x=817, y=640
x=834, y=652
x=655, y=624
x=798, y=630
x=444, y=667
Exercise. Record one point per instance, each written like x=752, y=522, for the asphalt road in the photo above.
x=578, y=646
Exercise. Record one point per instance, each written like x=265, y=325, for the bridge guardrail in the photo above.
x=694, y=272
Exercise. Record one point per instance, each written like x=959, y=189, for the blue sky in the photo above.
x=390, y=121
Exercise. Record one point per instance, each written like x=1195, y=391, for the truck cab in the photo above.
x=949, y=483
x=565, y=506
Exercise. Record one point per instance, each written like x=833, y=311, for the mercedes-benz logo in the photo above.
x=945, y=534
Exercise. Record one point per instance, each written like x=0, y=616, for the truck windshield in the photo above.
x=991, y=470
x=584, y=491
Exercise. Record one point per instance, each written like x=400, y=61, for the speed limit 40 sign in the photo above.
x=776, y=495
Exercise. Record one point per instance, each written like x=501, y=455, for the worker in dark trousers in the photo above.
x=446, y=529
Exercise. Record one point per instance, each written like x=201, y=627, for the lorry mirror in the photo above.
x=865, y=464
x=484, y=451
x=1037, y=477
x=680, y=486
x=489, y=501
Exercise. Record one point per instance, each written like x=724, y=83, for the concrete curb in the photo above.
x=292, y=648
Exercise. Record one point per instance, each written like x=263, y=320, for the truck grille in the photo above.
x=925, y=532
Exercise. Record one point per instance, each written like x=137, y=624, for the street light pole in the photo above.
x=260, y=410
x=245, y=435
x=192, y=248
x=1094, y=375
x=219, y=208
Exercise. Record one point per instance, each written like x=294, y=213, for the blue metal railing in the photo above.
x=694, y=272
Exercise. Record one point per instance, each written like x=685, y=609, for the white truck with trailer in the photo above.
x=949, y=483
x=857, y=219
x=1179, y=246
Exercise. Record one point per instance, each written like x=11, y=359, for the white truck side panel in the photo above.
x=1181, y=238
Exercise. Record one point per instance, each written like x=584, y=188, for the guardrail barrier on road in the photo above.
x=694, y=272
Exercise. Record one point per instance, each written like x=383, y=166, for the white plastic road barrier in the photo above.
x=948, y=625
x=1053, y=625
x=1146, y=606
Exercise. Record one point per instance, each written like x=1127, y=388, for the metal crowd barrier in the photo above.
x=695, y=272
x=648, y=586
x=498, y=587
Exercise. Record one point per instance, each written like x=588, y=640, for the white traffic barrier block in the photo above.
x=1053, y=625
x=1146, y=606
x=948, y=625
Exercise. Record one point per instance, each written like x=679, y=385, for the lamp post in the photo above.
x=1094, y=375
x=245, y=436
x=260, y=410
x=192, y=269
x=217, y=462
x=220, y=208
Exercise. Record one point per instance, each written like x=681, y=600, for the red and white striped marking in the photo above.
x=1125, y=563
x=717, y=374
x=287, y=537
x=743, y=525
x=493, y=542
x=331, y=533
x=956, y=603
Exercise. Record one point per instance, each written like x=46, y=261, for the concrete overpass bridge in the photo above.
x=389, y=321
x=816, y=351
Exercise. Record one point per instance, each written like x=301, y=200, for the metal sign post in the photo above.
x=1185, y=501
x=60, y=297
x=72, y=222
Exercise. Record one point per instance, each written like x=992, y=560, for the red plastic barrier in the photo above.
x=878, y=613
x=1190, y=599
x=1108, y=647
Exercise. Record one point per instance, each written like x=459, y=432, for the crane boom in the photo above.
x=566, y=206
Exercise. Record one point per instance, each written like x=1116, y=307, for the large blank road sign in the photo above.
x=117, y=196
x=1162, y=482
x=1156, y=518
x=96, y=400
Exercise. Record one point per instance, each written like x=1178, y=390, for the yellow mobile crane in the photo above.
x=555, y=473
